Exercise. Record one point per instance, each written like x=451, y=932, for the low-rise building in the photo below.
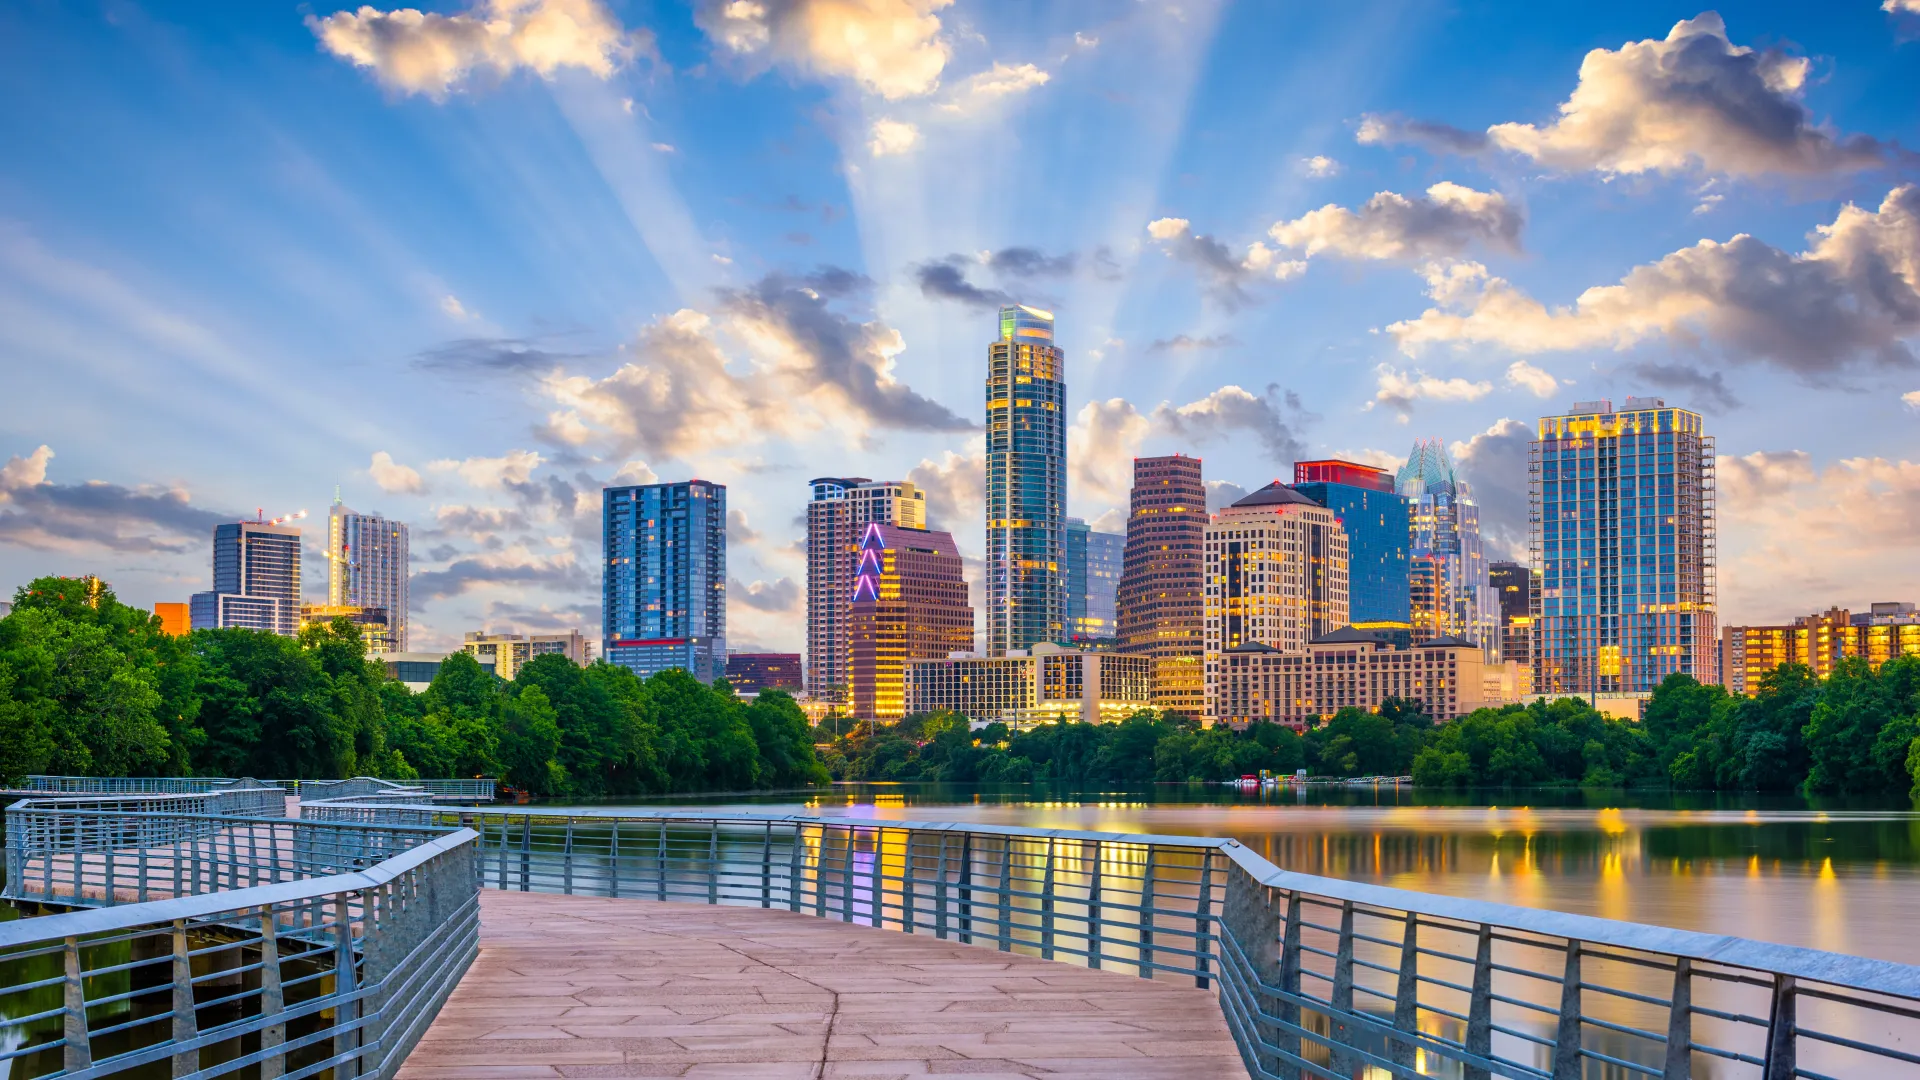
x=507, y=652
x=375, y=630
x=750, y=673
x=175, y=619
x=1348, y=668
x=1045, y=684
x=416, y=669
x=1819, y=642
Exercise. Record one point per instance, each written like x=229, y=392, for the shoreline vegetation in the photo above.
x=91, y=686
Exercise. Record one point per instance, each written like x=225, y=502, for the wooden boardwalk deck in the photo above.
x=570, y=986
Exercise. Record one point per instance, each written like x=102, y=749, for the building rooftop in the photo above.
x=1347, y=635
x=1276, y=494
x=1449, y=641
x=1252, y=646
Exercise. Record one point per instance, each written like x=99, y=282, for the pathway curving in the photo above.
x=571, y=986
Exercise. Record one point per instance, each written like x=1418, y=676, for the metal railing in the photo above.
x=282, y=949
x=1317, y=977
x=138, y=785
x=476, y=790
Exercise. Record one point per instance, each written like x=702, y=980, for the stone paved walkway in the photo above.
x=570, y=986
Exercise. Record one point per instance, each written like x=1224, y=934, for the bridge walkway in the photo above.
x=570, y=986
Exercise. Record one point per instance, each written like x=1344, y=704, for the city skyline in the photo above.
x=675, y=248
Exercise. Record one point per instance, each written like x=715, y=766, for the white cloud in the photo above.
x=1393, y=226
x=1399, y=390
x=1319, y=165
x=955, y=485
x=721, y=259
x=1535, y=381
x=889, y=137
x=635, y=472
x=1494, y=463
x=891, y=48
x=25, y=472
x=1911, y=397
x=513, y=468
x=419, y=52
x=1855, y=294
x=1223, y=275
x=1088, y=41
x=393, y=477
x=994, y=84
x=95, y=515
x=1271, y=418
x=453, y=307
x=1901, y=7
x=1101, y=446
x=1708, y=203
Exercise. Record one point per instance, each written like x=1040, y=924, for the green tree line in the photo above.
x=91, y=686
x=1854, y=733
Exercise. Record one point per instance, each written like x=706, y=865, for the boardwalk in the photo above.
x=586, y=987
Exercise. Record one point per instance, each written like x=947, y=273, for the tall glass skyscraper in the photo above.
x=1375, y=518
x=367, y=567
x=1445, y=547
x=1623, y=540
x=1094, y=561
x=1026, y=483
x=838, y=514
x=664, y=599
x=256, y=579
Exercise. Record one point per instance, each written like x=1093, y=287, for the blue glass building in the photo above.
x=664, y=597
x=1026, y=483
x=256, y=579
x=1375, y=517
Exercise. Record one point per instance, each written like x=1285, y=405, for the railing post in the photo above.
x=345, y=982
x=1566, y=1042
x=846, y=880
x=1342, y=1000
x=1006, y=894
x=660, y=861
x=1480, y=1005
x=906, y=884
x=877, y=896
x=1046, y=904
x=1289, y=1011
x=1783, y=1056
x=272, y=999
x=526, y=853
x=940, y=891
x=766, y=866
x=1203, y=922
x=566, y=861
x=713, y=863
x=795, y=849
x=966, y=888
x=79, y=1050
x=1406, y=998
x=185, y=1022
x=1144, y=960
x=1679, y=1065
x=820, y=874
x=613, y=861
x=1095, y=933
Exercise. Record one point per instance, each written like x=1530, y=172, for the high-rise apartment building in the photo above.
x=256, y=579
x=664, y=600
x=838, y=513
x=1517, y=589
x=1026, y=483
x=1622, y=535
x=1444, y=530
x=1276, y=575
x=1819, y=642
x=750, y=673
x=909, y=603
x=1093, y=580
x=1160, y=610
x=1375, y=517
x=367, y=567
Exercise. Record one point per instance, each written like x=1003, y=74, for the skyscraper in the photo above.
x=909, y=602
x=1276, y=575
x=1445, y=531
x=1026, y=494
x=837, y=515
x=1376, y=520
x=367, y=567
x=1159, y=608
x=256, y=579
x=1623, y=538
x=1091, y=610
x=664, y=599
x=1518, y=589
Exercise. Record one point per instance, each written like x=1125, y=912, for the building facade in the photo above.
x=1623, y=539
x=1046, y=684
x=175, y=621
x=664, y=597
x=1348, y=669
x=1160, y=610
x=1276, y=575
x=256, y=579
x=371, y=621
x=1375, y=517
x=840, y=509
x=1093, y=582
x=416, y=670
x=1444, y=530
x=1517, y=589
x=506, y=653
x=909, y=603
x=750, y=673
x=1026, y=483
x=1820, y=642
x=367, y=567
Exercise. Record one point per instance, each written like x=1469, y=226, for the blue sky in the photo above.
x=468, y=265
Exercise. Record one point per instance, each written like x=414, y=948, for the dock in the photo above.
x=574, y=986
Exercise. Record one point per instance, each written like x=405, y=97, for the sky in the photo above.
x=467, y=265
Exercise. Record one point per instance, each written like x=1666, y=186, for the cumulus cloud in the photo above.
x=739, y=529
x=955, y=485
x=1531, y=379
x=513, y=468
x=393, y=477
x=1271, y=418
x=1399, y=390
x=1026, y=262
x=1854, y=295
x=1912, y=399
x=417, y=52
x=995, y=84
x=1224, y=277
x=781, y=595
x=37, y=513
x=1319, y=165
x=946, y=278
x=890, y=48
x=1446, y=221
x=635, y=472
x=889, y=137
x=1693, y=101
x=1101, y=445
x=1704, y=390
x=1222, y=494
x=1494, y=464
x=1389, y=130
x=808, y=366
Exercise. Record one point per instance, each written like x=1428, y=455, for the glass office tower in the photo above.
x=1623, y=539
x=256, y=579
x=664, y=599
x=1375, y=518
x=1026, y=483
x=1445, y=547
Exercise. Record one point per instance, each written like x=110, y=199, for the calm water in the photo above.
x=1840, y=876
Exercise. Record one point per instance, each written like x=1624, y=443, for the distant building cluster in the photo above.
x=1347, y=586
